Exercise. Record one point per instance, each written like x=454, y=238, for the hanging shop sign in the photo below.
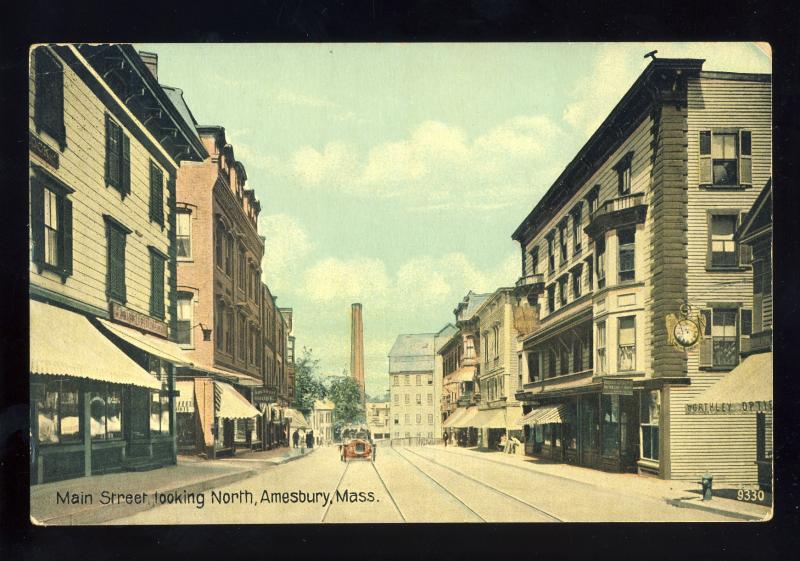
x=612, y=386
x=38, y=147
x=138, y=320
x=264, y=395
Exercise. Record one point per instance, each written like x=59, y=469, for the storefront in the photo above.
x=95, y=408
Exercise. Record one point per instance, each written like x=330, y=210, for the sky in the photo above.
x=394, y=174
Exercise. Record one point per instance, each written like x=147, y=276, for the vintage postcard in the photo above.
x=326, y=283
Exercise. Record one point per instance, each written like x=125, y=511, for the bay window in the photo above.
x=601, y=263
x=626, y=240
x=601, y=347
x=626, y=338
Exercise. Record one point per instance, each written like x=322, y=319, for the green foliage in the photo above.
x=308, y=382
x=346, y=396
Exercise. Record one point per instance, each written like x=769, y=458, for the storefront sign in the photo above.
x=617, y=387
x=38, y=147
x=264, y=395
x=729, y=408
x=121, y=314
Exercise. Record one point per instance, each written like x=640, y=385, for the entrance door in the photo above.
x=589, y=432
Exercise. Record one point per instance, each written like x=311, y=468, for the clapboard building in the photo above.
x=105, y=144
x=635, y=234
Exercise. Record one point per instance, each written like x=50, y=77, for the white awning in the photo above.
x=65, y=343
x=297, y=419
x=156, y=346
x=745, y=389
x=454, y=417
x=546, y=415
x=467, y=420
x=233, y=405
x=514, y=418
x=490, y=419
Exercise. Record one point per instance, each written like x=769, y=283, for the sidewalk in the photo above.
x=190, y=475
x=682, y=494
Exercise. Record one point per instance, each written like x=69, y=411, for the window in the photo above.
x=650, y=413
x=184, y=322
x=485, y=344
x=419, y=399
x=601, y=263
x=562, y=240
x=229, y=254
x=57, y=411
x=722, y=331
x=624, y=174
x=576, y=283
x=242, y=269
x=626, y=340
x=533, y=367
x=407, y=398
x=589, y=353
x=626, y=239
x=562, y=291
x=157, y=260
x=229, y=331
x=601, y=347
x=590, y=274
x=419, y=418
x=118, y=158
x=241, y=331
x=430, y=420
x=551, y=363
x=430, y=399
x=722, y=247
x=397, y=399
x=407, y=418
x=551, y=257
x=116, y=237
x=183, y=234
x=407, y=380
x=419, y=380
x=48, y=112
x=726, y=158
x=51, y=225
x=591, y=200
x=395, y=381
x=576, y=228
x=577, y=355
x=551, y=298
x=534, y=260
x=159, y=401
x=156, y=194
x=496, y=340
x=564, y=366
x=219, y=324
x=105, y=407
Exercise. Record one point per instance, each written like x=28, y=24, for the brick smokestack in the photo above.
x=357, y=346
x=151, y=61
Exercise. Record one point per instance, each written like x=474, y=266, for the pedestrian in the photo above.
x=296, y=437
x=445, y=439
x=310, y=439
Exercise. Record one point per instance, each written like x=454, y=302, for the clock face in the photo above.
x=686, y=332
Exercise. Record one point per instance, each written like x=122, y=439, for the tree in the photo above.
x=308, y=382
x=346, y=397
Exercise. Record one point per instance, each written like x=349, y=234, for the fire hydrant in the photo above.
x=706, y=482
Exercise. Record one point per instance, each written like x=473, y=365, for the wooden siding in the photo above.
x=724, y=446
x=82, y=167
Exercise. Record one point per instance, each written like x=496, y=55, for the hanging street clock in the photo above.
x=685, y=331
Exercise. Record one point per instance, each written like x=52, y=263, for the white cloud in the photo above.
x=349, y=280
x=287, y=245
x=313, y=167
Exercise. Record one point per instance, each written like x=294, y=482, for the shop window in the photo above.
x=601, y=263
x=611, y=433
x=183, y=236
x=116, y=238
x=184, y=323
x=650, y=414
x=106, y=412
x=626, y=339
x=156, y=194
x=601, y=348
x=48, y=113
x=118, y=158
x=569, y=429
x=51, y=225
x=157, y=260
x=57, y=403
x=726, y=158
x=626, y=239
x=159, y=400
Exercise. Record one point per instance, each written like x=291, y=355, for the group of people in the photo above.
x=507, y=445
x=309, y=436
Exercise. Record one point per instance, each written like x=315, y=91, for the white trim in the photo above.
x=114, y=96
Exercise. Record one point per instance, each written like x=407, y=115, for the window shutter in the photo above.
x=37, y=220
x=66, y=248
x=156, y=194
x=745, y=158
x=108, y=150
x=126, y=165
x=746, y=329
x=706, y=358
x=745, y=251
x=156, y=285
x=705, y=158
x=49, y=101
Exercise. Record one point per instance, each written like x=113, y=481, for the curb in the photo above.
x=105, y=513
x=281, y=461
x=684, y=503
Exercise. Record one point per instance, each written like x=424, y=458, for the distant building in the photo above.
x=378, y=419
x=322, y=421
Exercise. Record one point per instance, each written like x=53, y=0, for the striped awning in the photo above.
x=232, y=404
x=546, y=415
x=64, y=343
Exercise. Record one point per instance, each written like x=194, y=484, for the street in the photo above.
x=412, y=484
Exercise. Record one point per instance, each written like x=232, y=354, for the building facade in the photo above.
x=378, y=420
x=105, y=144
x=219, y=301
x=322, y=422
x=640, y=227
x=414, y=405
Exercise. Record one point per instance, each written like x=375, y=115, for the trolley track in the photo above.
x=494, y=489
x=328, y=506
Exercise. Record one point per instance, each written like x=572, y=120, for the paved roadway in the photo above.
x=413, y=485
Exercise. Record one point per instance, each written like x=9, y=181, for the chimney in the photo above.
x=357, y=346
x=151, y=62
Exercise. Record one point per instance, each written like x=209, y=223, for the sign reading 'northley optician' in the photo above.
x=728, y=408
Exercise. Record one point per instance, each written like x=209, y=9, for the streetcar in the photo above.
x=357, y=444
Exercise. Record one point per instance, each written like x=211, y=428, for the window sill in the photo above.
x=731, y=269
x=707, y=187
x=717, y=368
x=185, y=259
